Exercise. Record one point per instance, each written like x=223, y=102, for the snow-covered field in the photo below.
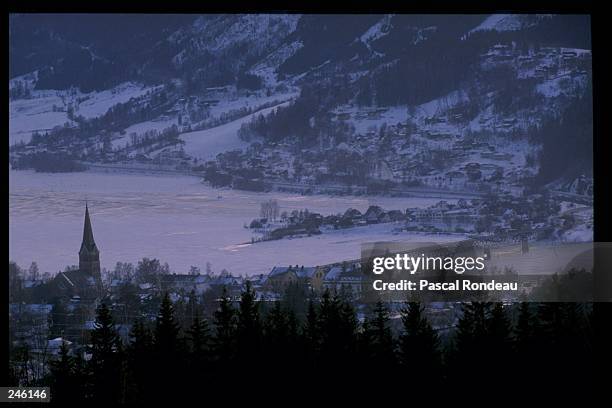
x=48, y=108
x=178, y=220
x=98, y=103
x=206, y=144
x=34, y=115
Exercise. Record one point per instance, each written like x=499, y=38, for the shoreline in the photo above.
x=292, y=188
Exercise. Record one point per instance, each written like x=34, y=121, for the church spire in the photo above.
x=88, y=239
x=89, y=256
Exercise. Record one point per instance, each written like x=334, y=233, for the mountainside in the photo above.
x=447, y=101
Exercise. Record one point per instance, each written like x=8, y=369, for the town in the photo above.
x=199, y=206
x=48, y=311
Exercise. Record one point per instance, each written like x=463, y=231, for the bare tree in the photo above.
x=33, y=272
x=270, y=210
x=275, y=209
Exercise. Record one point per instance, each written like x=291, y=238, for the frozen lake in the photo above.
x=176, y=219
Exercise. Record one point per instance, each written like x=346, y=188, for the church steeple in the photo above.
x=88, y=240
x=89, y=255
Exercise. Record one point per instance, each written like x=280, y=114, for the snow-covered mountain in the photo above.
x=338, y=98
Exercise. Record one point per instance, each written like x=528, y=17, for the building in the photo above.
x=86, y=281
x=233, y=285
x=282, y=276
x=345, y=279
x=186, y=283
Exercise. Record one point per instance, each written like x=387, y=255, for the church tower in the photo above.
x=89, y=255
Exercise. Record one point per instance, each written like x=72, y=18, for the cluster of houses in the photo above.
x=33, y=324
x=310, y=223
x=346, y=277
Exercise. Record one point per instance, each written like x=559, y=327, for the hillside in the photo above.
x=464, y=102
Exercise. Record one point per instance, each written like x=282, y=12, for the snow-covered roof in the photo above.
x=306, y=272
x=226, y=280
x=279, y=270
x=334, y=273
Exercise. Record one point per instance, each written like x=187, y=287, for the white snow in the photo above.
x=98, y=103
x=30, y=115
x=499, y=22
x=206, y=144
x=254, y=101
x=38, y=114
x=509, y=22
x=376, y=31
x=142, y=127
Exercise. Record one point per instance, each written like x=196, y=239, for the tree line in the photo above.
x=260, y=351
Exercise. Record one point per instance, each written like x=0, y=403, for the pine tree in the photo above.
x=292, y=328
x=106, y=357
x=328, y=326
x=200, y=339
x=562, y=346
x=279, y=342
x=498, y=328
x=64, y=378
x=469, y=356
x=167, y=351
x=248, y=327
x=525, y=329
x=382, y=346
x=192, y=309
x=525, y=343
x=140, y=363
x=310, y=336
x=82, y=376
x=166, y=329
x=338, y=326
x=499, y=349
x=419, y=353
x=349, y=325
x=364, y=344
x=225, y=329
x=199, y=367
x=276, y=328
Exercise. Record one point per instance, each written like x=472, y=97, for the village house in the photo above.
x=345, y=279
x=280, y=277
x=234, y=285
x=186, y=283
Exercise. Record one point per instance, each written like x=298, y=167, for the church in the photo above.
x=85, y=282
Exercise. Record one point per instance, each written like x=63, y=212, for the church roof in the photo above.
x=76, y=278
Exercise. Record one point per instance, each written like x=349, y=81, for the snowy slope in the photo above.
x=46, y=109
x=98, y=103
x=206, y=144
x=499, y=22
x=508, y=22
x=30, y=115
